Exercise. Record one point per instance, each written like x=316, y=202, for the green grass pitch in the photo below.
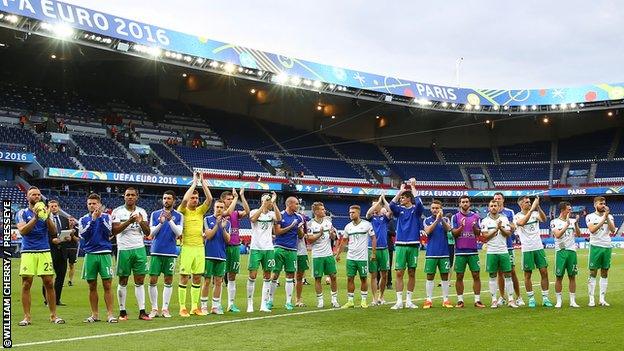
x=357, y=329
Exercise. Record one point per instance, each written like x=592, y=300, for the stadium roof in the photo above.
x=74, y=23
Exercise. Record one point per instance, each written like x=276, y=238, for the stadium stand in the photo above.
x=231, y=145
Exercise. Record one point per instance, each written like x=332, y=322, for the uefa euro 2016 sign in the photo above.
x=16, y=156
x=153, y=36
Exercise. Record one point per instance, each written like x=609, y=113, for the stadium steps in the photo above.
x=564, y=173
x=130, y=155
x=440, y=155
x=592, y=172
x=553, y=159
x=160, y=160
x=495, y=154
x=356, y=166
x=614, y=146
x=371, y=174
x=385, y=153
x=466, y=176
x=76, y=161
x=178, y=157
x=488, y=176
x=255, y=157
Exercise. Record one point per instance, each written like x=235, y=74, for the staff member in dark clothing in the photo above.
x=72, y=254
x=58, y=248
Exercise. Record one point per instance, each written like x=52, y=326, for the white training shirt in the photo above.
x=322, y=246
x=529, y=232
x=358, y=240
x=131, y=237
x=566, y=241
x=262, y=231
x=601, y=237
x=498, y=244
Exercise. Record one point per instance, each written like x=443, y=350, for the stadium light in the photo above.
x=333, y=117
x=280, y=78
x=477, y=107
x=545, y=120
x=200, y=60
x=63, y=30
x=572, y=105
x=523, y=108
x=11, y=19
x=229, y=67
x=252, y=91
x=53, y=56
x=487, y=121
x=260, y=73
x=332, y=86
x=47, y=26
x=468, y=106
x=534, y=107
x=505, y=107
x=319, y=107
x=553, y=107
x=563, y=106
x=610, y=113
x=317, y=84
x=444, y=104
x=581, y=105
x=294, y=80
x=184, y=75
x=188, y=59
x=453, y=105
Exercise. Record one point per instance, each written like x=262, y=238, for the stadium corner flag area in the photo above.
x=164, y=191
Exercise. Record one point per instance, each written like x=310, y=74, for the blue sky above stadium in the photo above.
x=528, y=44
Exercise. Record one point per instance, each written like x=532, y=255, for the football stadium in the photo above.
x=162, y=190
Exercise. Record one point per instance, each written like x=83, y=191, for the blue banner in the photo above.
x=142, y=178
x=153, y=36
x=16, y=156
x=347, y=190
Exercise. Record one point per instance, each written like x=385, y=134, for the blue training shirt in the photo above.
x=437, y=243
x=380, y=226
x=408, y=223
x=95, y=234
x=215, y=247
x=164, y=243
x=289, y=239
x=38, y=238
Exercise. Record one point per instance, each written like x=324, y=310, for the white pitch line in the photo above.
x=251, y=319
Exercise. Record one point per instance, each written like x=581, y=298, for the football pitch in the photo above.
x=375, y=328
